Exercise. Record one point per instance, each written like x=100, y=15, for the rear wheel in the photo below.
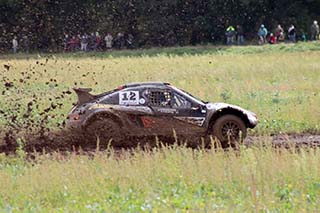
x=229, y=130
x=104, y=129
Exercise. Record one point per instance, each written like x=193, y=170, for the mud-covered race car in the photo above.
x=156, y=109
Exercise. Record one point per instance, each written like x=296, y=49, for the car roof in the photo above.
x=137, y=84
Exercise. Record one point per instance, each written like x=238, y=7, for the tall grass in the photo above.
x=164, y=179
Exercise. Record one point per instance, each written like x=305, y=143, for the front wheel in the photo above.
x=229, y=130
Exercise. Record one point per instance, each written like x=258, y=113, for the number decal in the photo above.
x=129, y=98
x=132, y=96
x=124, y=96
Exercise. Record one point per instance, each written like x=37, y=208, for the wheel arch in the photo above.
x=229, y=111
x=102, y=114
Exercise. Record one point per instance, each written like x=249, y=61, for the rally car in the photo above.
x=156, y=109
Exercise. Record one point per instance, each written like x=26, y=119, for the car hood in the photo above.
x=252, y=117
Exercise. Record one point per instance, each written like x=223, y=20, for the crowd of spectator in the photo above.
x=96, y=42
x=236, y=35
x=22, y=44
x=82, y=42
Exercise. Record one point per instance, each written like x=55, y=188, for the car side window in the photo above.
x=159, y=98
x=111, y=99
x=180, y=102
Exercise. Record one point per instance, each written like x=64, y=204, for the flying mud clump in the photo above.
x=34, y=115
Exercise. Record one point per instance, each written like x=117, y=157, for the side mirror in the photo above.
x=199, y=107
x=203, y=109
x=195, y=108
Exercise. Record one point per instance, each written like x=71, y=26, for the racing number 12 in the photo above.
x=129, y=98
x=132, y=96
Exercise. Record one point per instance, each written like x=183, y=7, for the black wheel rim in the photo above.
x=230, y=130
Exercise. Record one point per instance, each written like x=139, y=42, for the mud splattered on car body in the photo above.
x=155, y=108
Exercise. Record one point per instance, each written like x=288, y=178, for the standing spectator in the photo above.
x=272, y=39
x=279, y=33
x=262, y=34
x=292, y=33
x=77, y=42
x=171, y=38
x=14, y=44
x=119, y=41
x=72, y=44
x=108, y=39
x=240, y=35
x=130, y=41
x=97, y=41
x=230, y=34
x=303, y=36
x=66, y=41
x=25, y=43
x=92, y=41
x=84, y=42
x=122, y=41
x=315, y=31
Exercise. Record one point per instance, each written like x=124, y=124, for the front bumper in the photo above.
x=253, y=119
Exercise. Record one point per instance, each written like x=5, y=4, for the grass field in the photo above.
x=280, y=83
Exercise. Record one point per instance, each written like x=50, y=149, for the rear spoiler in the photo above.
x=84, y=95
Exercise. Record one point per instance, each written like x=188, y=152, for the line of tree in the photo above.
x=151, y=22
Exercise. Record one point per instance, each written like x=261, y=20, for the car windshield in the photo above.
x=180, y=102
x=188, y=95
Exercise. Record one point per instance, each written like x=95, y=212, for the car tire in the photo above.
x=104, y=129
x=229, y=130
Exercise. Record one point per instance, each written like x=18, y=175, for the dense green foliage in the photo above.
x=153, y=22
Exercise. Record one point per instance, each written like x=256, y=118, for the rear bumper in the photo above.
x=73, y=124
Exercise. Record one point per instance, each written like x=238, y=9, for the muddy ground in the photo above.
x=74, y=141
x=287, y=139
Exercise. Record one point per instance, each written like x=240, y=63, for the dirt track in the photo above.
x=293, y=139
x=67, y=141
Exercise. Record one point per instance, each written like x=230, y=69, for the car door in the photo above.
x=162, y=121
x=191, y=115
x=172, y=112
